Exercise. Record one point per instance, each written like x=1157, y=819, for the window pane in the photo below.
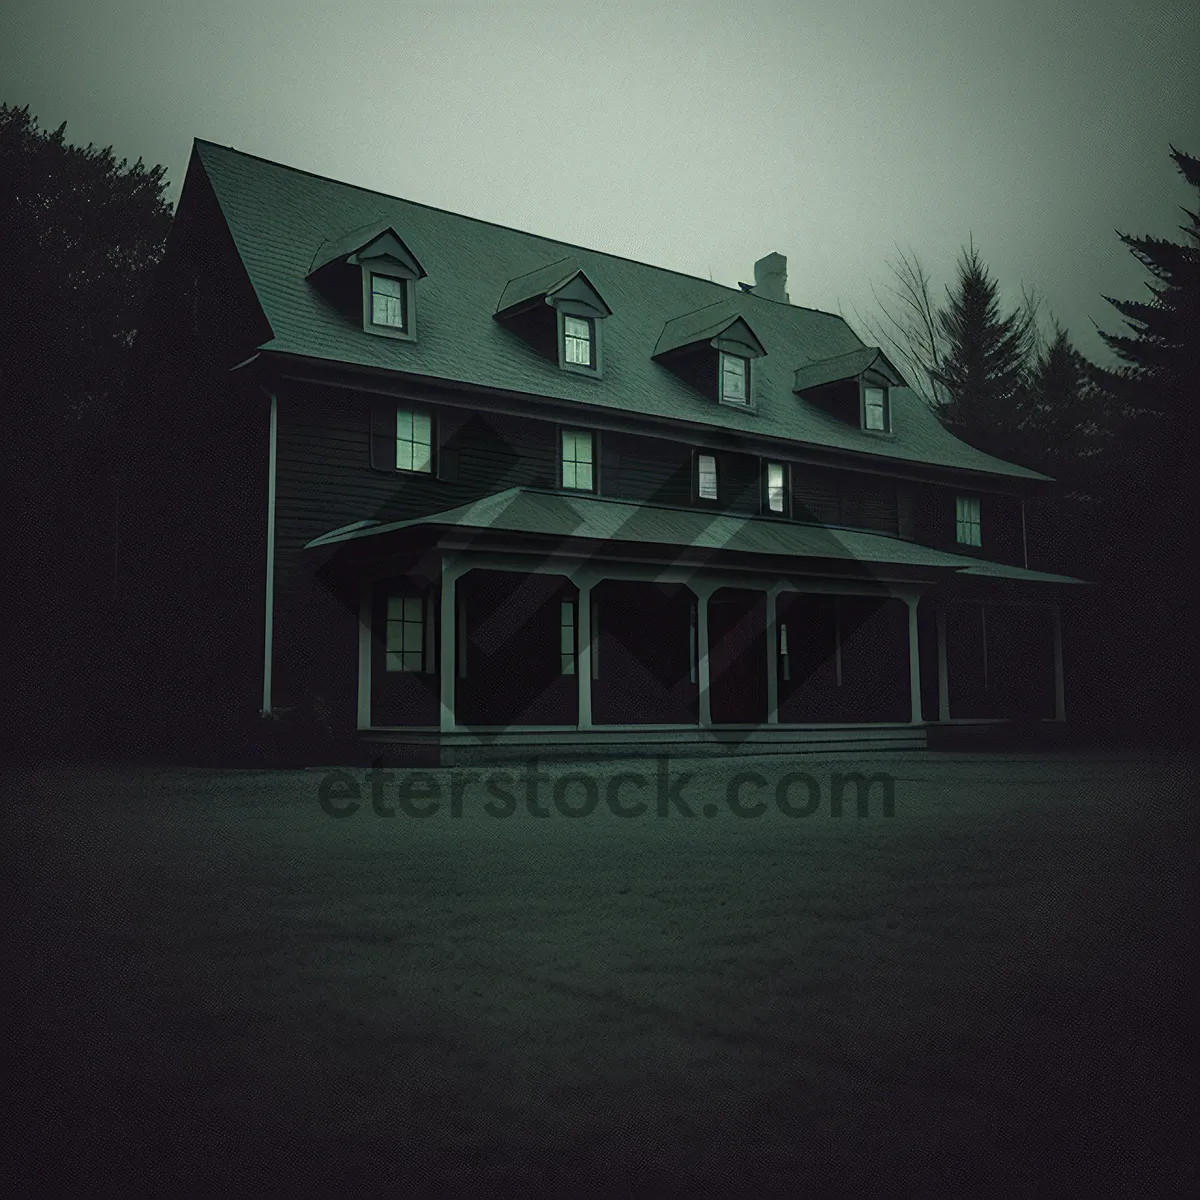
x=421, y=457
x=567, y=615
x=412, y=608
x=707, y=469
x=568, y=438
x=384, y=285
x=404, y=455
x=583, y=447
x=395, y=608
x=568, y=474
x=733, y=384
x=420, y=428
x=567, y=642
x=576, y=327
x=395, y=662
x=568, y=664
x=404, y=424
x=395, y=636
x=583, y=476
x=783, y=639
x=775, y=487
x=412, y=660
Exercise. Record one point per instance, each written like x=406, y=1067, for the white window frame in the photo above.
x=570, y=464
x=744, y=401
x=777, y=491
x=702, y=475
x=968, y=521
x=881, y=408
x=572, y=341
x=404, y=633
x=414, y=440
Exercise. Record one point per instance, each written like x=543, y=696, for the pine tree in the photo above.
x=986, y=361
x=1157, y=381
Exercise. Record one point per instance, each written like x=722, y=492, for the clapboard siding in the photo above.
x=844, y=498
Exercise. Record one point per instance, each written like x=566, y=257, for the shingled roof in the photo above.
x=280, y=217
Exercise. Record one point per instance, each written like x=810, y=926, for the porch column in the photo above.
x=1060, y=694
x=943, y=673
x=702, y=593
x=914, y=661
x=772, y=658
x=583, y=660
x=449, y=634
x=364, y=655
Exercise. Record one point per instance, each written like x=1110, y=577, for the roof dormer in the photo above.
x=713, y=350
x=854, y=387
x=373, y=267
x=560, y=313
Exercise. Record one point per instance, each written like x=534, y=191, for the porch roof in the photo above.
x=522, y=510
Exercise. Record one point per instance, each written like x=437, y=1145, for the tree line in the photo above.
x=85, y=232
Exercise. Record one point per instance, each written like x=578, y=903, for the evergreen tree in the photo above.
x=1156, y=382
x=985, y=363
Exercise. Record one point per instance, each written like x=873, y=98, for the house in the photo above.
x=446, y=487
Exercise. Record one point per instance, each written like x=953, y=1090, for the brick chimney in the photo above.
x=770, y=278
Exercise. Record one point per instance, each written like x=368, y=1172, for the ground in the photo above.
x=218, y=984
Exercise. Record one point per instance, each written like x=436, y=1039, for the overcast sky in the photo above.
x=698, y=136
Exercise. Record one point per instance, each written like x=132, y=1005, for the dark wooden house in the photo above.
x=416, y=478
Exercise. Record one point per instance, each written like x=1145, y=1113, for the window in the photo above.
x=577, y=469
x=578, y=337
x=706, y=476
x=967, y=520
x=735, y=372
x=414, y=441
x=776, y=487
x=875, y=414
x=389, y=301
x=405, y=636
x=567, y=638
x=784, y=661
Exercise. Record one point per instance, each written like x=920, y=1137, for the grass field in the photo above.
x=216, y=984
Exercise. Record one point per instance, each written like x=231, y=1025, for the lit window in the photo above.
x=405, y=644
x=567, y=637
x=577, y=340
x=388, y=301
x=784, y=661
x=775, y=487
x=577, y=459
x=413, y=441
x=706, y=477
x=733, y=378
x=875, y=408
x=967, y=521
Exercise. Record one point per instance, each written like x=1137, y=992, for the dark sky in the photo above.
x=697, y=136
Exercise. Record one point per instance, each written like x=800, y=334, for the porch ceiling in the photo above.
x=562, y=516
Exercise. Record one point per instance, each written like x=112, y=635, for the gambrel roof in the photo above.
x=280, y=218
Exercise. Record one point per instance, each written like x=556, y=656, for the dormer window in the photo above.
x=389, y=301
x=560, y=313
x=735, y=379
x=578, y=341
x=711, y=350
x=371, y=269
x=875, y=409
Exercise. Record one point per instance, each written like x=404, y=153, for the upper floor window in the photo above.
x=875, y=409
x=776, y=487
x=405, y=635
x=389, y=301
x=706, y=476
x=579, y=336
x=578, y=460
x=414, y=441
x=966, y=513
x=735, y=379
